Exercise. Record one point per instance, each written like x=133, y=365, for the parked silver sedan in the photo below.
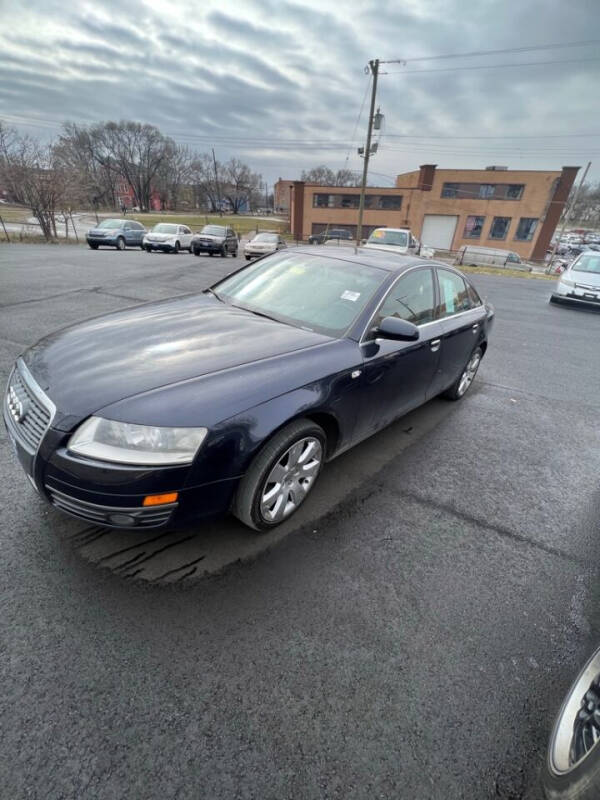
x=579, y=284
x=262, y=244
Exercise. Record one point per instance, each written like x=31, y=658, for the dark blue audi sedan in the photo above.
x=233, y=399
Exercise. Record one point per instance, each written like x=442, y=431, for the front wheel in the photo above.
x=223, y=252
x=460, y=387
x=281, y=476
x=120, y=243
x=176, y=248
x=195, y=251
x=148, y=248
x=93, y=246
x=248, y=258
x=572, y=767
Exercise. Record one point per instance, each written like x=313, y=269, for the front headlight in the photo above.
x=127, y=443
x=566, y=281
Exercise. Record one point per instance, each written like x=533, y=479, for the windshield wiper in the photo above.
x=258, y=313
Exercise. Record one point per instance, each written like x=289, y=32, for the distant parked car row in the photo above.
x=170, y=237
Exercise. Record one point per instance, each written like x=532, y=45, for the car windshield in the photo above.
x=399, y=238
x=110, y=223
x=265, y=237
x=214, y=230
x=164, y=227
x=587, y=263
x=316, y=292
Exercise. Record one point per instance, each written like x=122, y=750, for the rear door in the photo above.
x=462, y=316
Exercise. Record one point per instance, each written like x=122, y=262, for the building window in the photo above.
x=473, y=227
x=526, y=229
x=486, y=190
x=450, y=190
x=346, y=200
x=514, y=191
x=499, y=228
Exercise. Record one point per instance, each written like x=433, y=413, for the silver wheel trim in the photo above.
x=562, y=735
x=290, y=479
x=466, y=379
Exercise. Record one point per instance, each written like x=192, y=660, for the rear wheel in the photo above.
x=462, y=384
x=572, y=767
x=281, y=476
x=223, y=252
x=235, y=252
x=120, y=243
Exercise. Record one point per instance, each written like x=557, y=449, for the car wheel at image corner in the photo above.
x=120, y=243
x=462, y=384
x=572, y=767
x=281, y=476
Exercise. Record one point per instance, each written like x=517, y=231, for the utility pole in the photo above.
x=217, y=182
x=266, y=197
x=374, y=66
x=567, y=216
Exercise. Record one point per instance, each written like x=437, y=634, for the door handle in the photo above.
x=435, y=345
x=475, y=327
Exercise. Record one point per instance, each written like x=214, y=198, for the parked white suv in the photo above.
x=168, y=237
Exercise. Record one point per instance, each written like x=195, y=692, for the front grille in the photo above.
x=28, y=409
x=141, y=517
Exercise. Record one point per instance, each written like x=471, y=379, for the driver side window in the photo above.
x=411, y=298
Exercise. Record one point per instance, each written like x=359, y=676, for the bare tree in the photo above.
x=325, y=176
x=97, y=183
x=240, y=184
x=34, y=177
x=175, y=172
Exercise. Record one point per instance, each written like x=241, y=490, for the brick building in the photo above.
x=446, y=208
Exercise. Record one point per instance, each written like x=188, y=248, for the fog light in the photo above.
x=122, y=519
x=160, y=499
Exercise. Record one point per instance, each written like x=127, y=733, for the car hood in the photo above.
x=104, y=231
x=584, y=278
x=211, y=236
x=106, y=359
x=160, y=237
x=390, y=248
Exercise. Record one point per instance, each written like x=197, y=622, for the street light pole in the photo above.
x=374, y=66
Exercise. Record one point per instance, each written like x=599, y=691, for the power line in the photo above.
x=523, y=49
x=492, y=66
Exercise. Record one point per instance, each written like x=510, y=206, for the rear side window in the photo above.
x=411, y=298
x=454, y=295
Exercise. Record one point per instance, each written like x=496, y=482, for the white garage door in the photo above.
x=438, y=231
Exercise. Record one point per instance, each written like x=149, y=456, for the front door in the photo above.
x=397, y=375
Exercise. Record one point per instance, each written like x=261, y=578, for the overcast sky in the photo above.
x=280, y=84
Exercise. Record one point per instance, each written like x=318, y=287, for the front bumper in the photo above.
x=112, y=495
x=108, y=241
x=577, y=298
x=208, y=247
x=164, y=247
x=257, y=253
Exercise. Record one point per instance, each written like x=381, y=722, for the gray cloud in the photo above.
x=264, y=71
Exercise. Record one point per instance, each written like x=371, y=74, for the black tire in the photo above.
x=582, y=781
x=195, y=251
x=246, y=505
x=120, y=243
x=92, y=246
x=176, y=248
x=148, y=248
x=248, y=258
x=210, y=253
x=141, y=247
x=455, y=392
x=223, y=252
x=234, y=254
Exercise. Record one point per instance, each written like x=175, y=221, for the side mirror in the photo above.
x=400, y=329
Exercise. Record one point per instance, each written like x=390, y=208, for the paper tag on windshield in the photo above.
x=351, y=296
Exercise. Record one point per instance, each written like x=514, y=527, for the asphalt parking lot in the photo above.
x=409, y=634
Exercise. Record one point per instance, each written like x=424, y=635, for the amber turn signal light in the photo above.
x=160, y=499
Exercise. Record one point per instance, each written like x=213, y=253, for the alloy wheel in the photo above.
x=466, y=379
x=290, y=479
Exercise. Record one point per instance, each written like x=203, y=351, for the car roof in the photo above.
x=390, y=262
